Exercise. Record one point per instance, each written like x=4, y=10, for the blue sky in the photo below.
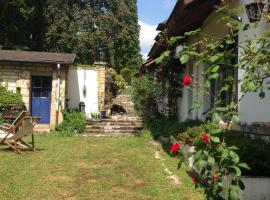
x=151, y=13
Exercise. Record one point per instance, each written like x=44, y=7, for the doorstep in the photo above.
x=42, y=128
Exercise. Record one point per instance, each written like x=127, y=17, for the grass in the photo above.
x=92, y=168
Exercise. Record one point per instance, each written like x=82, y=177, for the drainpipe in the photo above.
x=57, y=95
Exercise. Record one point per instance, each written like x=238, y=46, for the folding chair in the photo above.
x=23, y=125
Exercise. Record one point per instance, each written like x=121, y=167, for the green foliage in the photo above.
x=193, y=135
x=127, y=74
x=10, y=101
x=74, y=122
x=113, y=85
x=254, y=152
x=144, y=92
x=68, y=26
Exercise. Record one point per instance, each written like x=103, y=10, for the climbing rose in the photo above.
x=187, y=80
x=206, y=138
x=195, y=179
x=175, y=147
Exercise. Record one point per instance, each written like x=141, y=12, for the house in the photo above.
x=189, y=15
x=49, y=83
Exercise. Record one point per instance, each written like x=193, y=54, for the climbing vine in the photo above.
x=217, y=165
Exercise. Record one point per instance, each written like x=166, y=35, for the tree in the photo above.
x=74, y=26
x=82, y=27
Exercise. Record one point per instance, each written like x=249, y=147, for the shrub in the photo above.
x=254, y=152
x=192, y=135
x=73, y=122
x=114, y=83
x=144, y=94
x=127, y=74
x=10, y=101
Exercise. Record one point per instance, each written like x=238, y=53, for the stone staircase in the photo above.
x=114, y=127
x=117, y=124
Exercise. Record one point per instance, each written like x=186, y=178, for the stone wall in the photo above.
x=101, y=73
x=18, y=75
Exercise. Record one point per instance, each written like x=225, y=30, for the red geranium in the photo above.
x=175, y=147
x=187, y=80
x=195, y=179
x=206, y=138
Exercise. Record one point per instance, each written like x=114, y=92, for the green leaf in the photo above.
x=213, y=58
x=234, y=156
x=233, y=195
x=215, y=139
x=244, y=165
x=235, y=187
x=251, y=86
x=214, y=76
x=216, y=131
x=159, y=59
x=175, y=39
x=211, y=160
x=233, y=148
x=236, y=170
x=222, y=109
x=235, y=120
x=184, y=58
x=215, y=69
x=262, y=94
x=216, y=118
x=241, y=184
x=207, y=84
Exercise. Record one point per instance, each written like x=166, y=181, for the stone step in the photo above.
x=112, y=131
x=113, y=127
x=131, y=123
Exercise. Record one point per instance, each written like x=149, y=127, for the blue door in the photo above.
x=41, y=98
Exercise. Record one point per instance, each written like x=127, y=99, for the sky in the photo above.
x=151, y=13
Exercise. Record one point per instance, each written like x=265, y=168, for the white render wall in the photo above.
x=77, y=79
x=252, y=109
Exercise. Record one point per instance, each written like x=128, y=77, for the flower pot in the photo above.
x=103, y=114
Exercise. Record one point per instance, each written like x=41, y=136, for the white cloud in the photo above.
x=147, y=35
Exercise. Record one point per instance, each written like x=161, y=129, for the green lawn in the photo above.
x=92, y=168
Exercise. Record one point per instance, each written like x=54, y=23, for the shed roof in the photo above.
x=37, y=57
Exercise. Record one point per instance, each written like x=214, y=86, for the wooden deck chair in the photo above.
x=23, y=125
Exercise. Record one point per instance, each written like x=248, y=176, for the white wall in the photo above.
x=252, y=108
x=77, y=79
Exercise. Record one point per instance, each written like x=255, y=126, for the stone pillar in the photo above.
x=101, y=77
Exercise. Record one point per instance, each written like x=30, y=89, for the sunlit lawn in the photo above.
x=92, y=168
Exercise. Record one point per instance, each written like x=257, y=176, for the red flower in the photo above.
x=187, y=80
x=175, y=147
x=195, y=179
x=206, y=138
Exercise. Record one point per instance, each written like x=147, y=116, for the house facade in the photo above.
x=189, y=15
x=48, y=82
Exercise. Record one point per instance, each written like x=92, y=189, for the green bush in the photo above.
x=254, y=152
x=127, y=74
x=193, y=135
x=113, y=85
x=144, y=94
x=10, y=101
x=73, y=122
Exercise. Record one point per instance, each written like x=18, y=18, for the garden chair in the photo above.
x=12, y=134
